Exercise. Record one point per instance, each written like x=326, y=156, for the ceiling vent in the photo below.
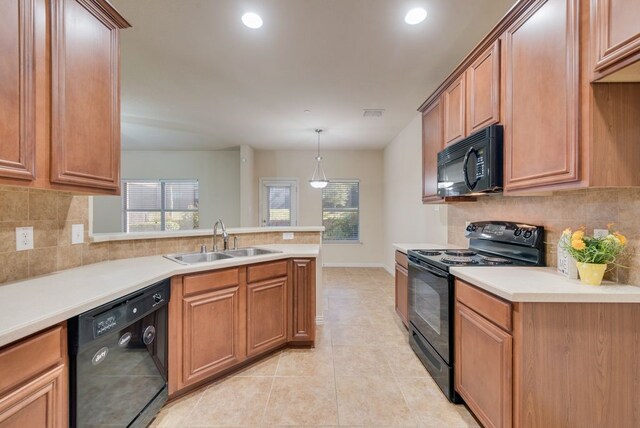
x=372, y=112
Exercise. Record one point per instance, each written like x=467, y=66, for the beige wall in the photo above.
x=365, y=165
x=247, y=188
x=217, y=172
x=406, y=218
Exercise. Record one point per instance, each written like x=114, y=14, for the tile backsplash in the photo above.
x=52, y=213
x=593, y=208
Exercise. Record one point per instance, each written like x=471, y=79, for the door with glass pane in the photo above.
x=279, y=202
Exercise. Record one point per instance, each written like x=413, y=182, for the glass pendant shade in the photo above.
x=319, y=179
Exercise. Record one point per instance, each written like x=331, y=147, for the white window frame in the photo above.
x=344, y=241
x=295, y=205
x=162, y=209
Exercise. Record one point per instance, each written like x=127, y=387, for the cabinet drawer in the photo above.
x=401, y=259
x=25, y=359
x=264, y=271
x=210, y=281
x=492, y=308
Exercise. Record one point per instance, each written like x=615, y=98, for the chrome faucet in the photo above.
x=225, y=236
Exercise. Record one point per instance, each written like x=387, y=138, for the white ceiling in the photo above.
x=194, y=77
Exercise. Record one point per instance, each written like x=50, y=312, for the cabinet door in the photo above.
x=303, y=301
x=431, y=144
x=17, y=89
x=85, y=103
x=402, y=293
x=483, y=367
x=453, y=102
x=483, y=90
x=41, y=402
x=541, y=96
x=616, y=32
x=211, y=333
x=266, y=315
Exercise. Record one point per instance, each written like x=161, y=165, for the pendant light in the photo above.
x=319, y=179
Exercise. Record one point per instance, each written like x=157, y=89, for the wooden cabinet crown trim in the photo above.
x=506, y=21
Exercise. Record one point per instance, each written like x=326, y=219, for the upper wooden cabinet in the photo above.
x=85, y=102
x=542, y=96
x=454, y=111
x=483, y=90
x=616, y=37
x=533, y=73
x=60, y=95
x=17, y=89
x=432, y=143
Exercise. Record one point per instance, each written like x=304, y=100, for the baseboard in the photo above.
x=354, y=265
x=390, y=271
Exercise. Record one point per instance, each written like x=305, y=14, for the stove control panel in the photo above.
x=503, y=231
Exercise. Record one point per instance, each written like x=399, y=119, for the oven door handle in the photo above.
x=465, y=169
x=427, y=269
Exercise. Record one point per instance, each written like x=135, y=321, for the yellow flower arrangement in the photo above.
x=591, y=249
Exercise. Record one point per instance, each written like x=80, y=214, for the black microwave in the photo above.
x=472, y=165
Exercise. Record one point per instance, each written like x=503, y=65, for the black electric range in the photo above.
x=431, y=287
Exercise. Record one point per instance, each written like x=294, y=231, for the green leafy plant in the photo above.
x=591, y=249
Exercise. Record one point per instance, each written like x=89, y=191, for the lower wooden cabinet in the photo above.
x=538, y=364
x=220, y=319
x=402, y=287
x=34, y=381
x=266, y=315
x=303, y=301
x=483, y=367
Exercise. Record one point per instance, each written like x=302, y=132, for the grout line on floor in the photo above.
x=273, y=381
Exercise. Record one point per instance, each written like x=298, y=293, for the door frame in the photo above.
x=262, y=181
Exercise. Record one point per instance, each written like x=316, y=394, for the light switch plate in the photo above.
x=287, y=236
x=600, y=233
x=24, y=238
x=77, y=234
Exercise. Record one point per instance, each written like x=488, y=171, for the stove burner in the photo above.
x=457, y=260
x=460, y=253
x=429, y=253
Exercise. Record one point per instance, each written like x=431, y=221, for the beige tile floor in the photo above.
x=361, y=373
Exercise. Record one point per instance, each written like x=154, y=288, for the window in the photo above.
x=156, y=205
x=341, y=211
x=278, y=202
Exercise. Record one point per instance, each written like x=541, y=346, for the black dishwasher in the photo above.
x=118, y=360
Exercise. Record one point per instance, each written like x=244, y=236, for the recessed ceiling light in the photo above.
x=415, y=16
x=252, y=20
x=307, y=111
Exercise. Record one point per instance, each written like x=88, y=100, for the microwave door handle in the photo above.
x=465, y=171
x=431, y=271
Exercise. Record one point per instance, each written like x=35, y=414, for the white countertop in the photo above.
x=422, y=246
x=29, y=306
x=121, y=236
x=543, y=284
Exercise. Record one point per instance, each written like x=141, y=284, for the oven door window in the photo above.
x=122, y=372
x=429, y=310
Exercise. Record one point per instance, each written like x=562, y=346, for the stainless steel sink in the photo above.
x=248, y=252
x=192, y=258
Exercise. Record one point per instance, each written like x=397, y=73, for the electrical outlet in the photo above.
x=24, y=238
x=600, y=233
x=77, y=234
x=287, y=236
